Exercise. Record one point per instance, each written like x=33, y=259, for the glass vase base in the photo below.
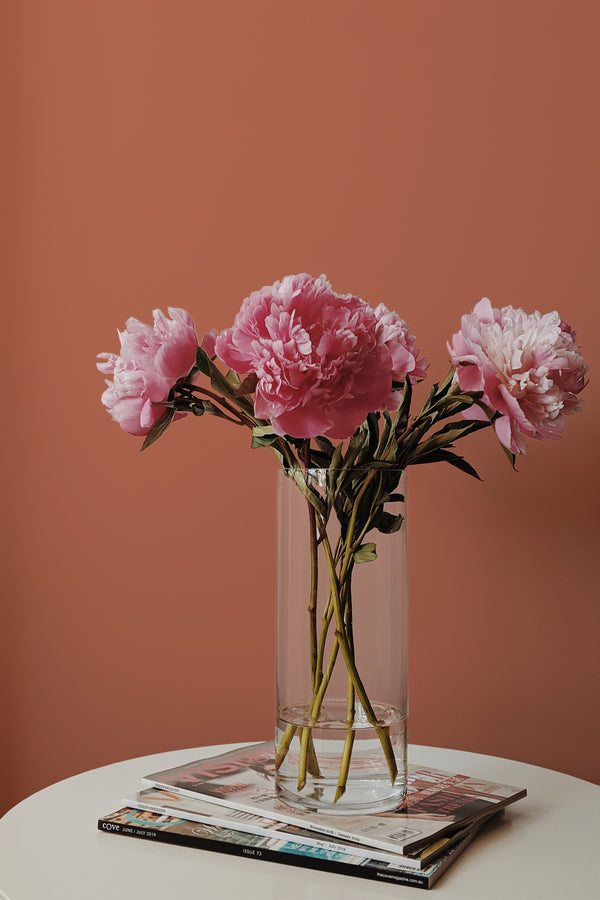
x=368, y=785
x=363, y=799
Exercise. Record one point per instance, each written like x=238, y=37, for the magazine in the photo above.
x=165, y=803
x=437, y=802
x=170, y=829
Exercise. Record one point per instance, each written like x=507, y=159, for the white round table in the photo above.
x=544, y=846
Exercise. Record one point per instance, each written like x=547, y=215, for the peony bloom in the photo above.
x=152, y=360
x=323, y=360
x=208, y=342
x=394, y=333
x=528, y=367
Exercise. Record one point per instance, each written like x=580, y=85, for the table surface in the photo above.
x=544, y=846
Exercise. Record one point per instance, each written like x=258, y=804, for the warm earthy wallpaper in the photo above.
x=423, y=154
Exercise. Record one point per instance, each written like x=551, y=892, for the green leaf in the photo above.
x=263, y=436
x=226, y=385
x=389, y=524
x=311, y=495
x=401, y=418
x=233, y=380
x=430, y=396
x=203, y=361
x=446, y=383
x=337, y=456
x=384, y=465
x=263, y=430
x=463, y=428
x=386, y=435
x=247, y=386
x=335, y=475
x=453, y=431
x=319, y=459
x=460, y=463
x=391, y=452
x=365, y=553
x=219, y=381
x=262, y=442
x=212, y=410
x=457, y=403
x=511, y=457
x=447, y=456
x=325, y=445
x=471, y=397
x=158, y=428
x=373, y=426
x=357, y=443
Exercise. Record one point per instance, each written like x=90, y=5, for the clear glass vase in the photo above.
x=341, y=639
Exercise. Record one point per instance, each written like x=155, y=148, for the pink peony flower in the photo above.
x=208, y=342
x=323, y=360
x=152, y=360
x=394, y=333
x=528, y=367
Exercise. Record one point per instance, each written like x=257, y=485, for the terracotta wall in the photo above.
x=185, y=153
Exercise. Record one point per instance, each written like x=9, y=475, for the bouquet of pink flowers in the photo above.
x=324, y=380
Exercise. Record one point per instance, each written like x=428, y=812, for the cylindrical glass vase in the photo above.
x=341, y=639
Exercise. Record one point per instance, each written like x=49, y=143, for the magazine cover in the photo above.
x=166, y=803
x=170, y=829
x=437, y=802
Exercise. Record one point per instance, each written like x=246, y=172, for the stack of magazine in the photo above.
x=229, y=804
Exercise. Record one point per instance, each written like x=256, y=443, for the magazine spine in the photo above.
x=396, y=876
x=245, y=827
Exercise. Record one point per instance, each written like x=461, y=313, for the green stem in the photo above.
x=323, y=678
x=284, y=745
x=325, y=622
x=241, y=419
x=383, y=731
x=308, y=757
x=315, y=709
x=308, y=761
x=351, y=525
x=381, y=728
x=348, y=744
x=314, y=578
x=350, y=708
x=311, y=756
x=312, y=761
